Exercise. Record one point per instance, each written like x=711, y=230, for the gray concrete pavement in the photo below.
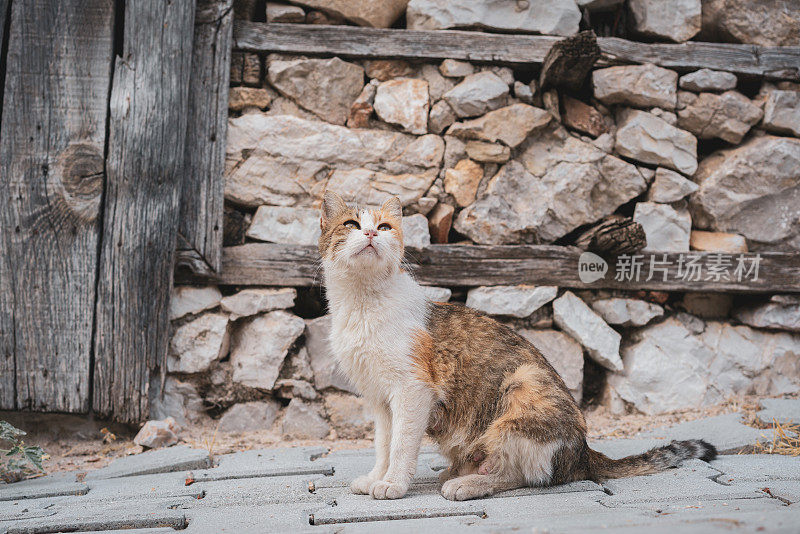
x=305, y=490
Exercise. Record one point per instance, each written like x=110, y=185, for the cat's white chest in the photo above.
x=373, y=352
x=373, y=337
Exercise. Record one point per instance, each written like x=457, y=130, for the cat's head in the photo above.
x=361, y=241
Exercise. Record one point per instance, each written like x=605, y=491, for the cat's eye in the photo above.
x=384, y=226
x=352, y=224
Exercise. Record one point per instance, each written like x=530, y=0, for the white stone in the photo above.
x=477, y=94
x=187, y=300
x=437, y=294
x=708, y=80
x=728, y=116
x=198, y=343
x=548, y=191
x=178, y=400
x=440, y=117
x=325, y=87
x=627, y=312
x=259, y=347
x=253, y=301
x=289, y=388
x=782, y=112
x=781, y=312
x=404, y=102
x=677, y=20
x=300, y=363
x=563, y=353
x=717, y=242
x=278, y=159
x=678, y=365
x=667, y=229
x=536, y=16
x=323, y=362
x=286, y=14
x=517, y=301
x=349, y=415
x=642, y=86
x=155, y=434
x=644, y=137
x=524, y=92
x=415, y=231
x=438, y=85
x=761, y=22
x=599, y=5
x=510, y=125
x=249, y=416
x=488, y=152
x=371, y=188
x=578, y=320
x=372, y=13
x=303, y=421
x=752, y=190
x=279, y=224
x=669, y=186
x=453, y=68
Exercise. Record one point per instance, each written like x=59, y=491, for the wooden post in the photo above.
x=51, y=182
x=146, y=144
x=203, y=183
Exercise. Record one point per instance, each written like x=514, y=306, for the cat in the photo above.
x=498, y=410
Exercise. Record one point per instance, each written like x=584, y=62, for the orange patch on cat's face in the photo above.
x=335, y=234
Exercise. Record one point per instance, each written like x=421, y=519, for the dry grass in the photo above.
x=785, y=440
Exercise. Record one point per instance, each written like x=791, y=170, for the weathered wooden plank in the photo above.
x=51, y=183
x=475, y=265
x=347, y=41
x=7, y=363
x=352, y=41
x=146, y=144
x=204, y=163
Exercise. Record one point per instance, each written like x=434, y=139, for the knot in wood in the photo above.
x=79, y=184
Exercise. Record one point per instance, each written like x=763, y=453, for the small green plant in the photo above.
x=19, y=461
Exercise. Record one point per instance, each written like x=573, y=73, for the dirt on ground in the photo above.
x=82, y=443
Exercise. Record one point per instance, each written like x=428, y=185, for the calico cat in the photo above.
x=497, y=409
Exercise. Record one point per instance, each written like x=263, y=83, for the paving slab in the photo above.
x=180, y=458
x=49, y=486
x=349, y=508
x=350, y=464
x=439, y=525
x=255, y=491
x=726, y=432
x=692, y=481
x=784, y=411
x=253, y=519
x=92, y=518
x=756, y=468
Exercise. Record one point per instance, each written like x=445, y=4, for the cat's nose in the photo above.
x=370, y=233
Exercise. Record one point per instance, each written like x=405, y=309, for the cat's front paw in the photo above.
x=360, y=486
x=381, y=489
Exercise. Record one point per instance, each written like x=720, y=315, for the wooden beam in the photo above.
x=147, y=131
x=204, y=164
x=51, y=184
x=350, y=41
x=475, y=265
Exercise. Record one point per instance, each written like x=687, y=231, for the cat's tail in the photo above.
x=652, y=461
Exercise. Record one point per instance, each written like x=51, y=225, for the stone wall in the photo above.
x=478, y=154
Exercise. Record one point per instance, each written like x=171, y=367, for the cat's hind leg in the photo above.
x=476, y=486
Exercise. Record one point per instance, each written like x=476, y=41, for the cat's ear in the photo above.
x=332, y=205
x=393, y=208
